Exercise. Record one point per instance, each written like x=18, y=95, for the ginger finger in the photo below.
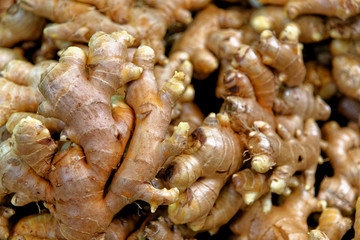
x=344, y=29
x=117, y=10
x=284, y=55
x=341, y=9
x=288, y=155
x=262, y=78
x=38, y=226
x=320, y=77
x=227, y=204
x=333, y=224
x=200, y=186
x=342, y=146
x=208, y=20
x=357, y=220
x=19, y=25
x=341, y=46
x=8, y=54
x=120, y=228
x=5, y=214
x=286, y=220
x=152, y=108
x=20, y=97
x=345, y=71
x=15, y=170
x=301, y=101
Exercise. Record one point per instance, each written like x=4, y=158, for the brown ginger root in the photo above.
x=342, y=148
x=287, y=221
x=19, y=25
x=286, y=153
x=250, y=184
x=346, y=69
x=17, y=176
x=320, y=78
x=342, y=9
x=261, y=77
x=117, y=10
x=207, y=21
x=201, y=176
x=344, y=29
x=19, y=88
x=161, y=229
x=333, y=224
x=5, y=214
x=341, y=46
x=77, y=21
x=121, y=227
x=35, y=227
x=8, y=54
x=284, y=55
x=301, y=101
x=225, y=207
x=312, y=28
x=357, y=220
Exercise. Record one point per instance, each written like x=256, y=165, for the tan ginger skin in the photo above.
x=345, y=71
x=153, y=110
x=207, y=21
x=286, y=153
x=19, y=25
x=287, y=221
x=344, y=29
x=19, y=88
x=8, y=54
x=77, y=21
x=342, y=148
x=312, y=28
x=338, y=8
x=198, y=183
x=333, y=224
x=17, y=176
x=284, y=54
x=38, y=226
x=357, y=220
x=5, y=214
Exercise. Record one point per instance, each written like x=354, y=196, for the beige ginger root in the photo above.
x=152, y=106
x=286, y=153
x=19, y=88
x=19, y=25
x=338, y=8
x=344, y=29
x=346, y=69
x=5, y=214
x=312, y=28
x=357, y=220
x=333, y=224
x=35, y=227
x=301, y=101
x=284, y=54
x=261, y=77
x=201, y=176
x=8, y=54
x=75, y=21
x=17, y=174
x=342, y=148
x=207, y=21
x=319, y=76
x=287, y=221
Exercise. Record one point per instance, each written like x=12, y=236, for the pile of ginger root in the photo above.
x=180, y=119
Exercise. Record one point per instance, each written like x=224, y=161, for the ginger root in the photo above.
x=19, y=25
x=341, y=9
x=200, y=176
